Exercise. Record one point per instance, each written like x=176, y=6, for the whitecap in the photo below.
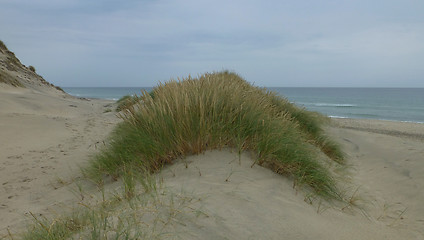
x=334, y=105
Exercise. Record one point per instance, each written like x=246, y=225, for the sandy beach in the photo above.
x=45, y=138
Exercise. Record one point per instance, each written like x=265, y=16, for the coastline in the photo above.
x=414, y=130
x=46, y=138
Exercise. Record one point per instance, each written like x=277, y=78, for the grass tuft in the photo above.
x=216, y=110
x=125, y=102
x=32, y=68
x=151, y=213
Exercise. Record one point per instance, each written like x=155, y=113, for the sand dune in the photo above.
x=45, y=137
x=256, y=203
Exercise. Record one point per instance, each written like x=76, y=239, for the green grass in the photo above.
x=213, y=111
x=125, y=102
x=32, y=68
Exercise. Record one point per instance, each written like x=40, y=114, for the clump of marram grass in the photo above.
x=311, y=123
x=125, y=102
x=32, y=68
x=214, y=111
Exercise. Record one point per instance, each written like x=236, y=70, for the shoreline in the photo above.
x=393, y=128
x=374, y=119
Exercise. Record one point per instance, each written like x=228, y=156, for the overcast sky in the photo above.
x=280, y=43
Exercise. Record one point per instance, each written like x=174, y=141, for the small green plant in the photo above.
x=32, y=68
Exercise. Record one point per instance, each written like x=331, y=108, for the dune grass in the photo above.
x=143, y=209
x=32, y=68
x=213, y=111
x=125, y=102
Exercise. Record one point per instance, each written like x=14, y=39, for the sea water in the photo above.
x=397, y=104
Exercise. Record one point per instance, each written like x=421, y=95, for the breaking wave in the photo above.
x=333, y=105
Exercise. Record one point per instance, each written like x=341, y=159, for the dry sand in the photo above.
x=44, y=138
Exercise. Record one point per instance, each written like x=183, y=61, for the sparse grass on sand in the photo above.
x=213, y=111
x=9, y=80
x=144, y=209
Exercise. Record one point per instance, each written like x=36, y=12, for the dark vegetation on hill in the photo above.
x=214, y=111
x=14, y=73
x=10, y=64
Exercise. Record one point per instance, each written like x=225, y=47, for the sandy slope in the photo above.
x=44, y=137
x=256, y=203
x=389, y=168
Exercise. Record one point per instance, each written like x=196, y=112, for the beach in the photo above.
x=46, y=137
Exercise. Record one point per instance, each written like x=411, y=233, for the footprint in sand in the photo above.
x=355, y=146
x=27, y=179
x=15, y=157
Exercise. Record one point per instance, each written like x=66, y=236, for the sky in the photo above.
x=273, y=43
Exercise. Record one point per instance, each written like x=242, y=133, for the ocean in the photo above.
x=395, y=104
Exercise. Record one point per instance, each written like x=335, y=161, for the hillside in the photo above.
x=14, y=73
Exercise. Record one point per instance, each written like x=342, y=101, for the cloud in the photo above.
x=311, y=43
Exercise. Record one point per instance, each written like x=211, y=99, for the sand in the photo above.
x=45, y=138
